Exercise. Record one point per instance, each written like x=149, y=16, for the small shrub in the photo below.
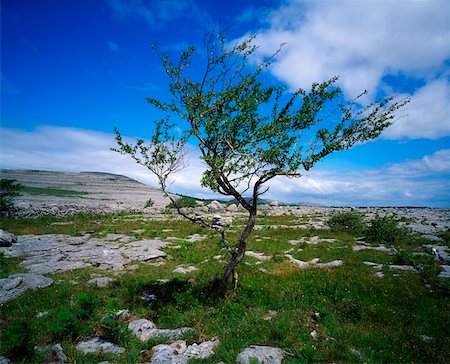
x=9, y=188
x=347, y=221
x=183, y=201
x=65, y=324
x=149, y=203
x=17, y=340
x=385, y=229
x=85, y=305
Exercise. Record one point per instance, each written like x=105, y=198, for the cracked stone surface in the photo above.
x=180, y=353
x=314, y=263
x=58, y=253
x=145, y=330
x=262, y=355
x=97, y=345
x=17, y=284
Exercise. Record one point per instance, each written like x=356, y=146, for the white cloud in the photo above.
x=426, y=116
x=358, y=40
x=415, y=182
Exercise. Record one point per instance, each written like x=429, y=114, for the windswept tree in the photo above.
x=247, y=129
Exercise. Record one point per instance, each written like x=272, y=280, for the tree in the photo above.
x=248, y=131
x=9, y=188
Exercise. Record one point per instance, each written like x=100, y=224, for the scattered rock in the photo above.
x=184, y=269
x=97, y=345
x=381, y=248
x=431, y=237
x=6, y=239
x=101, y=281
x=425, y=338
x=313, y=240
x=270, y=315
x=145, y=330
x=440, y=252
x=179, y=353
x=232, y=208
x=314, y=262
x=59, y=352
x=379, y=274
x=215, y=206
x=446, y=272
x=257, y=255
x=262, y=355
x=402, y=267
x=4, y=360
x=17, y=284
x=221, y=221
x=376, y=266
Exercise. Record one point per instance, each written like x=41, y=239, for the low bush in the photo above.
x=385, y=229
x=9, y=188
x=17, y=340
x=64, y=325
x=347, y=221
x=149, y=203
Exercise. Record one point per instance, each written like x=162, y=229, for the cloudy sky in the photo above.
x=72, y=70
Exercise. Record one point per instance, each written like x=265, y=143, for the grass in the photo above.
x=58, y=192
x=362, y=318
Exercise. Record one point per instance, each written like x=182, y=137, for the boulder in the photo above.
x=274, y=203
x=179, y=353
x=6, y=239
x=221, y=221
x=261, y=355
x=97, y=345
x=232, y=208
x=215, y=206
x=59, y=352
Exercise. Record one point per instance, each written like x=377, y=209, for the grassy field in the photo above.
x=49, y=191
x=358, y=317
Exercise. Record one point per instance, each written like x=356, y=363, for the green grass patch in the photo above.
x=49, y=191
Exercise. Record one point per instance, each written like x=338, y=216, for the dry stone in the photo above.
x=145, y=330
x=17, y=284
x=180, y=353
x=98, y=345
x=6, y=239
x=262, y=355
x=215, y=206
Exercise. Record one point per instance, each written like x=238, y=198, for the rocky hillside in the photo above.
x=62, y=193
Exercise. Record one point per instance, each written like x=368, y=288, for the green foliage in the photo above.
x=385, y=229
x=149, y=203
x=85, y=303
x=65, y=324
x=17, y=340
x=183, y=201
x=347, y=221
x=9, y=188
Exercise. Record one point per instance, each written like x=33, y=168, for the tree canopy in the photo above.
x=250, y=130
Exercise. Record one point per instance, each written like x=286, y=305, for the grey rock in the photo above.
x=446, y=272
x=179, y=353
x=440, y=252
x=380, y=248
x=257, y=255
x=263, y=355
x=59, y=352
x=97, y=345
x=145, y=330
x=376, y=266
x=409, y=268
x=314, y=263
x=17, y=284
x=432, y=237
x=184, y=269
x=4, y=360
x=425, y=338
x=101, y=281
x=232, y=208
x=6, y=239
x=274, y=203
x=219, y=221
x=215, y=206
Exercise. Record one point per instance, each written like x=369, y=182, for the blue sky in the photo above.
x=72, y=70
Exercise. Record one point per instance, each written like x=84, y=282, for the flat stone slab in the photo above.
x=58, y=253
x=17, y=284
x=312, y=241
x=408, y=268
x=97, y=345
x=381, y=248
x=6, y=239
x=446, y=271
x=313, y=263
x=185, y=269
x=440, y=252
x=261, y=355
x=145, y=330
x=179, y=353
x=257, y=255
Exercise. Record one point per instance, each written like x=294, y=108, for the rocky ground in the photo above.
x=102, y=192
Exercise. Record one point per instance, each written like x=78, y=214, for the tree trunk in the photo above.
x=238, y=254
